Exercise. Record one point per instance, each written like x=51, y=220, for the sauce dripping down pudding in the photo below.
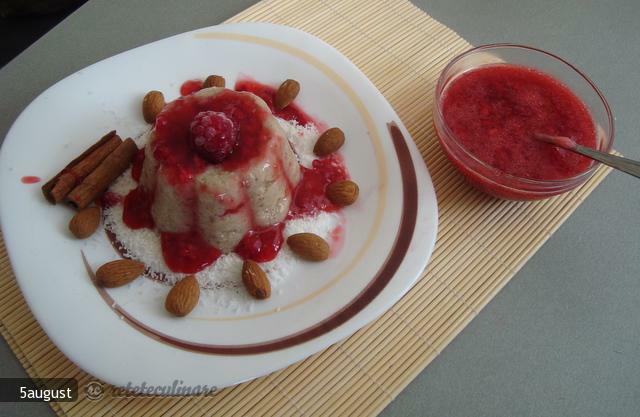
x=204, y=207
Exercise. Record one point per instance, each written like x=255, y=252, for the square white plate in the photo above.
x=122, y=336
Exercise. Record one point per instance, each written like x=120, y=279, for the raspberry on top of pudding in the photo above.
x=217, y=165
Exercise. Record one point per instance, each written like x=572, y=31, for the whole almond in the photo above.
x=342, y=193
x=255, y=280
x=329, y=142
x=152, y=104
x=117, y=273
x=183, y=297
x=287, y=92
x=309, y=246
x=85, y=222
x=213, y=81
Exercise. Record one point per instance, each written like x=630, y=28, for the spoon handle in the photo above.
x=623, y=164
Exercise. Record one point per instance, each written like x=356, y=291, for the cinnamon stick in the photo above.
x=94, y=184
x=56, y=189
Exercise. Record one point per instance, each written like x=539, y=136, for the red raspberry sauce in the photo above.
x=495, y=110
x=268, y=93
x=30, y=179
x=308, y=199
x=189, y=252
x=309, y=196
x=190, y=87
x=261, y=245
x=172, y=145
x=136, y=167
x=137, y=209
x=109, y=199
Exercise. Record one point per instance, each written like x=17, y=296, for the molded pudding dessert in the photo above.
x=488, y=115
x=206, y=199
x=217, y=165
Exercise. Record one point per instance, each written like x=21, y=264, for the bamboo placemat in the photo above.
x=481, y=243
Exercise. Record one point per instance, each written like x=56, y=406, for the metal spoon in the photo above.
x=623, y=164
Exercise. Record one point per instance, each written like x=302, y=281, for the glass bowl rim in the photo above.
x=570, y=180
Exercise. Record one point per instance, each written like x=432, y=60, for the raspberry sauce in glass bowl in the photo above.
x=489, y=102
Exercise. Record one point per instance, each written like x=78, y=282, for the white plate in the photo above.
x=390, y=231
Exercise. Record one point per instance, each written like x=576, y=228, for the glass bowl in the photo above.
x=492, y=180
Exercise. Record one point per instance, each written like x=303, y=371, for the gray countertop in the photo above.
x=563, y=337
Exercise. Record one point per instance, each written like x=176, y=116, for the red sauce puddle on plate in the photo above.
x=268, y=93
x=187, y=252
x=30, y=179
x=190, y=87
